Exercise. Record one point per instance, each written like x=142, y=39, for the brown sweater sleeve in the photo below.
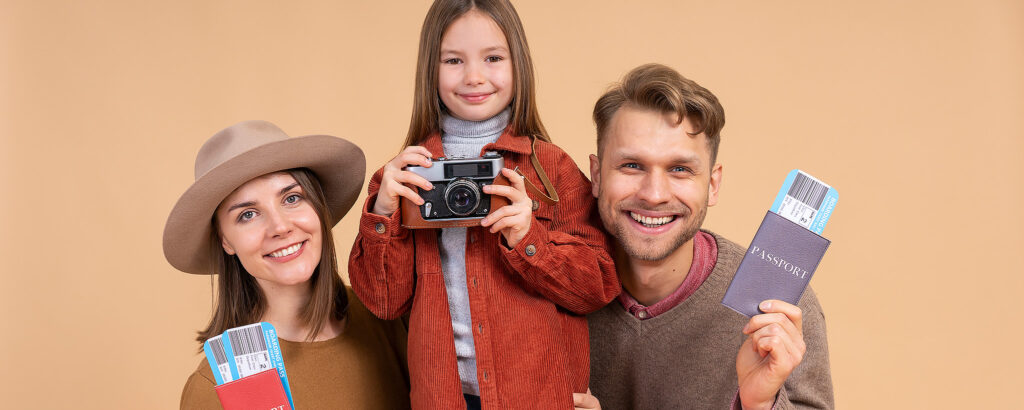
x=199, y=391
x=810, y=384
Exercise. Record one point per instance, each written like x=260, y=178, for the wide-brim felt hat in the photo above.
x=245, y=151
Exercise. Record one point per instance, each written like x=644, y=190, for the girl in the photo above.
x=259, y=218
x=495, y=310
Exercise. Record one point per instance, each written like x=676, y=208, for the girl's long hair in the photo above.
x=427, y=106
x=240, y=301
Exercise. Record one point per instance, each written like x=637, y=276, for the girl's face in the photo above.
x=475, y=75
x=273, y=229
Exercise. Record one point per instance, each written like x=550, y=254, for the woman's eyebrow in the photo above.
x=287, y=188
x=241, y=205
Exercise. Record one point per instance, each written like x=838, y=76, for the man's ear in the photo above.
x=595, y=174
x=716, y=182
x=227, y=246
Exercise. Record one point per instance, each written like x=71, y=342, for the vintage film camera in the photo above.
x=457, y=199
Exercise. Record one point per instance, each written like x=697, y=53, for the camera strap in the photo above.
x=532, y=189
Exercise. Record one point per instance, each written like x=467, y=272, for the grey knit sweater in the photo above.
x=685, y=358
x=461, y=138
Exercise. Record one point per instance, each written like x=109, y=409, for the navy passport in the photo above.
x=778, y=265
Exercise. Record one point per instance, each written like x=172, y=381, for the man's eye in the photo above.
x=452, y=61
x=631, y=165
x=494, y=59
x=680, y=169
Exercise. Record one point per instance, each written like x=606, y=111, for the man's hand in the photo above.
x=774, y=347
x=585, y=401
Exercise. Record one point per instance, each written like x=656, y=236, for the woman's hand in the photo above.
x=513, y=220
x=394, y=178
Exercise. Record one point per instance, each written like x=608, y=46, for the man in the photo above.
x=668, y=342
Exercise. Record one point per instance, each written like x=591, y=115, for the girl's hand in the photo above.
x=513, y=220
x=392, y=183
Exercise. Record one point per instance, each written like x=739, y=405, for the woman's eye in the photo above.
x=247, y=215
x=293, y=198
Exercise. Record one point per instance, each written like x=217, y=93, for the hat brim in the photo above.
x=339, y=165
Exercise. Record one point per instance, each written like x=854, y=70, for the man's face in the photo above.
x=653, y=182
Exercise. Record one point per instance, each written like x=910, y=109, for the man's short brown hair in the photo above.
x=660, y=88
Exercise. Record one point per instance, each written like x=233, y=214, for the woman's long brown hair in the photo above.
x=427, y=106
x=240, y=301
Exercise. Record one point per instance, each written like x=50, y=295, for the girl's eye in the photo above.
x=494, y=59
x=452, y=61
x=293, y=198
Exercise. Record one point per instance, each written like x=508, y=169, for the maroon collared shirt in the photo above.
x=705, y=253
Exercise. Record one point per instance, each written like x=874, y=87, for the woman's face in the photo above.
x=273, y=229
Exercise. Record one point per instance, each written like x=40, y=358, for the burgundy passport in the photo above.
x=778, y=265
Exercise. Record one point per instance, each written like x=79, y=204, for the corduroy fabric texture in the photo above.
x=531, y=343
x=685, y=358
x=363, y=368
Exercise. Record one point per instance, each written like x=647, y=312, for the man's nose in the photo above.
x=654, y=188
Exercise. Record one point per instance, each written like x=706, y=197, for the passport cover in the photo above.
x=778, y=265
x=262, y=390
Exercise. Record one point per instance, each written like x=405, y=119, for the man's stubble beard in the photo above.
x=638, y=250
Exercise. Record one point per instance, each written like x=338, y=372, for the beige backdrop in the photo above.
x=911, y=110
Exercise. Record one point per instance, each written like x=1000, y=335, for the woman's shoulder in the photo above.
x=360, y=316
x=199, y=392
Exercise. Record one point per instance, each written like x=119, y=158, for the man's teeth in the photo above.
x=651, y=222
x=286, y=251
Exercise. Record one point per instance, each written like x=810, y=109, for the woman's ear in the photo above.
x=227, y=246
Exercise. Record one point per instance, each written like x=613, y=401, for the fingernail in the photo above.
x=430, y=186
x=766, y=305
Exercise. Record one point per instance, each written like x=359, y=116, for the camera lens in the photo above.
x=462, y=197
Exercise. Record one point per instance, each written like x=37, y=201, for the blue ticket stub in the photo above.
x=249, y=350
x=805, y=200
x=218, y=360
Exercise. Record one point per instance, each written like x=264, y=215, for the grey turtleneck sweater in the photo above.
x=462, y=138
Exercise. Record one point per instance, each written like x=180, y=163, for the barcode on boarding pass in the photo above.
x=249, y=349
x=218, y=359
x=805, y=200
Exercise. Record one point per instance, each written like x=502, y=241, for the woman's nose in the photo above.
x=279, y=223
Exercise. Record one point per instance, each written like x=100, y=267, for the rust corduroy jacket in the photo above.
x=531, y=342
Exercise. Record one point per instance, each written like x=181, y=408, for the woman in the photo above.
x=259, y=216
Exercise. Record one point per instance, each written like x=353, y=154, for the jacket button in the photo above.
x=530, y=250
x=536, y=205
x=379, y=227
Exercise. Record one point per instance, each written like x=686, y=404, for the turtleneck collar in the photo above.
x=459, y=128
